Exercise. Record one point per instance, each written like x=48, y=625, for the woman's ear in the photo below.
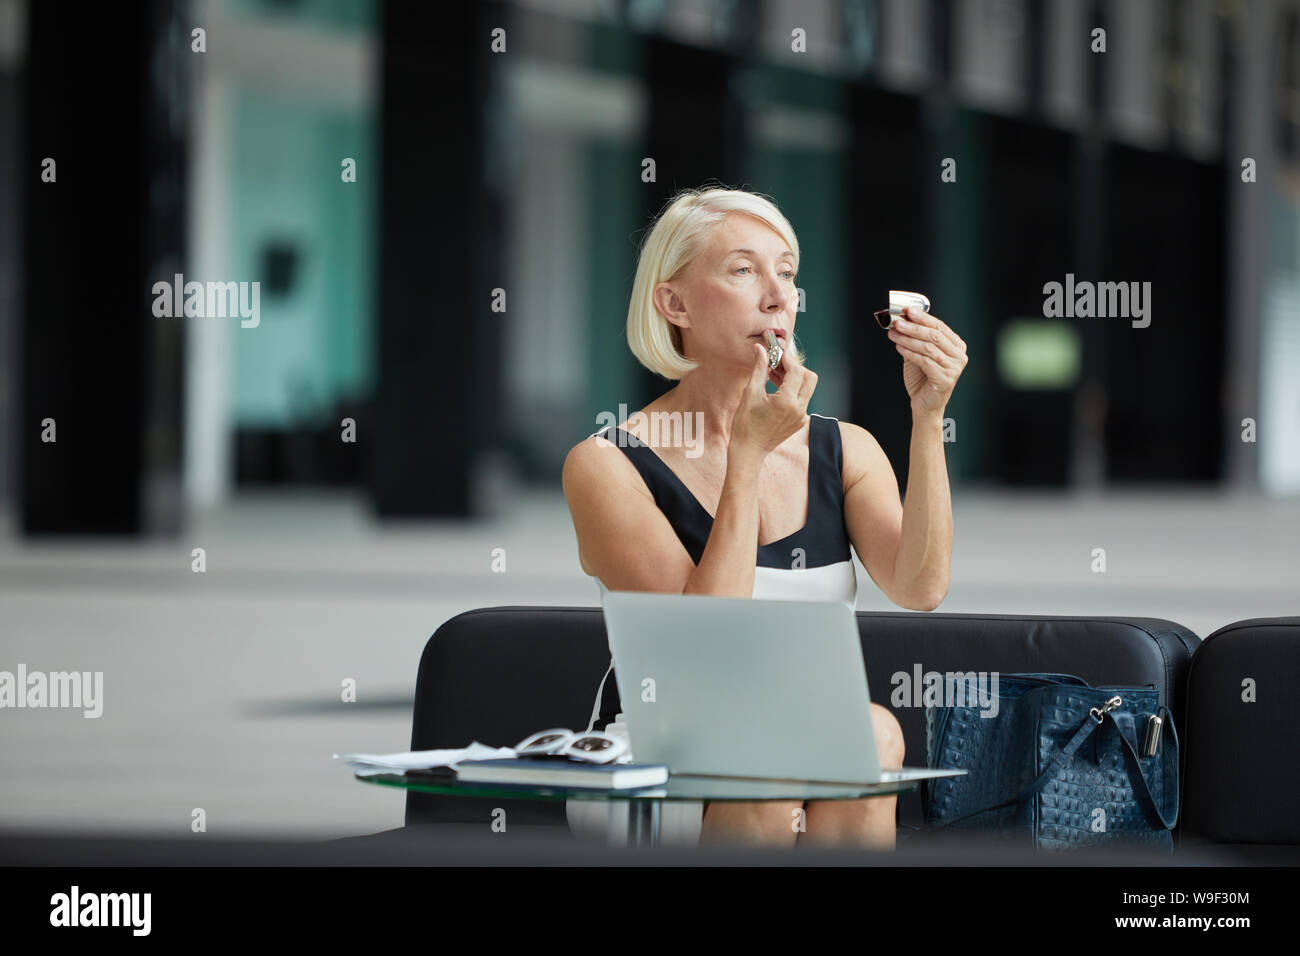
x=670, y=305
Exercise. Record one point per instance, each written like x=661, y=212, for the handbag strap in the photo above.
x=1167, y=809
x=1086, y=730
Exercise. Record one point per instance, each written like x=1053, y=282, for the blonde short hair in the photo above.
x=679, y=234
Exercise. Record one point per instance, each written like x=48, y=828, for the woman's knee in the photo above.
x=889, y=736
x=771, y=819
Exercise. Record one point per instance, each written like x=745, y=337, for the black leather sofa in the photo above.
x=497, y=674
x=1240, y=743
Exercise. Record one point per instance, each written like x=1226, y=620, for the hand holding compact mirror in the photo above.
x=898, y=301
x=933, y=354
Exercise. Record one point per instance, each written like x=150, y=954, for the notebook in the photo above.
x=563, y=773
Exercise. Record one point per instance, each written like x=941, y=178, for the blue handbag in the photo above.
x=1062, y=764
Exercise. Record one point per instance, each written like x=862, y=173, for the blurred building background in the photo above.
x=442, y=205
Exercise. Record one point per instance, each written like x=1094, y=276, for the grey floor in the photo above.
x=222, y=689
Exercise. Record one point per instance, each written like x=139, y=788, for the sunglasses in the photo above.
x=898, y=301
x=592, y=746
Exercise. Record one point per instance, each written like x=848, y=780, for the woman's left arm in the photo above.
x=907, y=547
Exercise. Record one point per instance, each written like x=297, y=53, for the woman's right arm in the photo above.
x=629, y=544
x=726, y=567
x=761, y=423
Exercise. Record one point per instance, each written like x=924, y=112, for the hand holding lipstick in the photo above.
x=774, y=349
x=779, y=356
x=764, y=421
x=933, y=358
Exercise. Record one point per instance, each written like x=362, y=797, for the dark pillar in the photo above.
x=1027, y=217
x=1091, y=403
x=1166, y=380
x=94, y=358
x=887, y=195
x=1166, y=383
x=438, y=396
x=12, y=187
x=697, y=129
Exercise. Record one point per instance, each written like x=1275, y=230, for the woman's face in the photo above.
x=742, y=283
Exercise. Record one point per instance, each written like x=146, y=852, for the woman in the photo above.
x=717, y=269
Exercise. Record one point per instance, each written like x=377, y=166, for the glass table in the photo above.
x=644, y=802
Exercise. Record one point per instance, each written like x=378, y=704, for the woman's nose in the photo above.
x=775, y=292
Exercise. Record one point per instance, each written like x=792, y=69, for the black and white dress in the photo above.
x=812, y=564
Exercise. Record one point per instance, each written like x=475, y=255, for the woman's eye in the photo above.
x=788, y=272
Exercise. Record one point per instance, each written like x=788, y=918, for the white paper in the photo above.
x=370, y=764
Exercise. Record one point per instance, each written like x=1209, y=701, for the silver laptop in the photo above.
x=747, y=688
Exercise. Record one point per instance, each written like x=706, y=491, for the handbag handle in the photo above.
x=1167, y=809
x=1086, y=730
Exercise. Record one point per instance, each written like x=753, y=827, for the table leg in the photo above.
x=643, y=822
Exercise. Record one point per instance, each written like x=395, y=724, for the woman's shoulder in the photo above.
x=861, y=452
x=590, y=459
x=602, y=487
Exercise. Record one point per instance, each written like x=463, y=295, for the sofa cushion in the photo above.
x=1241, y=779
x=496, y=675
